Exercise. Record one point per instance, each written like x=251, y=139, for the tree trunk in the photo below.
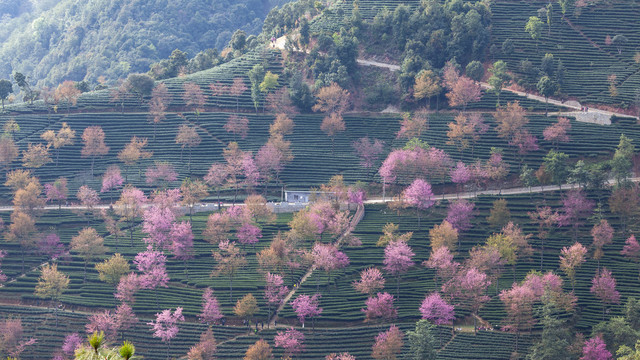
x=546, y=109
x=541, y=253
x=131, y=231
x=186, y=268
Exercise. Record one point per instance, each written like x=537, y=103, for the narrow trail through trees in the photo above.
x=357, y=217
x=280, y=44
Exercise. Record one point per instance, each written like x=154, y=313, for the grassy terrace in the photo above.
x=310, y=166
x=588, y=60
x=419, y=280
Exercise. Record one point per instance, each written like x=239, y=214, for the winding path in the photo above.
x=352, y=225
x=598, y=116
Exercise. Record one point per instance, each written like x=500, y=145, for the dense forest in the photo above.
x=52, y=41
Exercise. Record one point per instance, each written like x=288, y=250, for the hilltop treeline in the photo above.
x=113, y=38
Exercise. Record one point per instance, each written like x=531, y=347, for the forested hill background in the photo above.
x=55, y=40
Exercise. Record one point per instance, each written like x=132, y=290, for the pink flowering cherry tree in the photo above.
x=307, y=306
x=459, y=215
x=368, y=151
x=468, y=288
x=380, y=308
x=441, y=259
x=604, y=288
x=436, y=310
x=328, y=258
x=274, y=291
x=211, y=312
x=602, y=234
x=419, y=195
x=631, y=250
x=371, y=280
x=181, y=246
x=112, y=179
x=152, y=266
x=127, y=288
x=595, y=349
x=461, y=175
x=291, y=341
x=397, y=260
x=165, y=326
x=388, y=344
x=71, y=342
x=249, y=234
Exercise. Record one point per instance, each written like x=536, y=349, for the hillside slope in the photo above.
x=112, y=38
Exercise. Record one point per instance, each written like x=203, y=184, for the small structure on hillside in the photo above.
x=306, y=196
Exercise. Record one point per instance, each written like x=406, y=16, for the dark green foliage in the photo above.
x=238, y=40
x=256, y=75
x=555, y=340
x=547, y=64
x=632, y=313
x=616, y=332
x=83, y=86
x=422, y=343
x=6, y=88
x=300, y=93
x=507, y=47
x=546, y=87
x=21, y=80
x=285, y=17
x=474, y=70
x=115, y=38
x=622, y=159
x=556, y=165
x=140, y=85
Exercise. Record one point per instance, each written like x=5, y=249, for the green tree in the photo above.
x=475, y=70
x=546, y=87
x=547, y=63
x=427, y=85
x=256, y=76
x=140, y=85
x=527, y=176
x=499, y=77
x=621, y=163
x=579, y=174
x=112, y=269
x=555, y=163
x=499, y=215
x=6, y=88
x=556, y=338
x=22, y=82
x=534, y=28
x=238, y=40
x=632, y=312
x=51, y=284
x=422, y=342
x=177, y=62
x=627, y=353
x=89, y=244
x=304, y=32
x=616, y=332
x=619, y=41
x=269, y=83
